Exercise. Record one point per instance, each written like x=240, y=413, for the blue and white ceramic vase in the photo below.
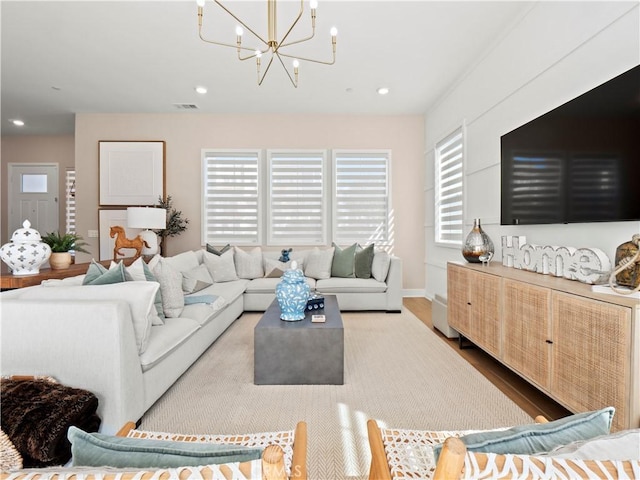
x=292, y=293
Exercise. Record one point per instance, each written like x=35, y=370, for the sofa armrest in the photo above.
x=82, y=344
x=394, y=285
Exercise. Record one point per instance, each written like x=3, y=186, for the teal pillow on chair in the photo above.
x=98, y=450
x=539, y=438
x=343, y=265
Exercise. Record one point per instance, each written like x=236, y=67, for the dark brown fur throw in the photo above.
x=36, y=415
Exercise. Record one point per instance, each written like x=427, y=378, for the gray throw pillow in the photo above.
x=380, y=265
x=215, y=251
x=196, y=279
x=99, y=450
x=343, y=265
x=363, y=261
x=221, y=268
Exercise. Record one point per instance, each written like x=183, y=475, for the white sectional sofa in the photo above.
x=109, y=339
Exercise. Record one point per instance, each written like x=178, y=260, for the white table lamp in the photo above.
x=147, y=218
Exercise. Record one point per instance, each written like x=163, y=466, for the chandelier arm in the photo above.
x=213, y=42
x=293, y=82
x=303, y=59
x=260, y=80
x=240, y=21
x=313, y=33
x=295, y=22
x=262, y=52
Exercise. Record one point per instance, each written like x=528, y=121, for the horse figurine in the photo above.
x=123, y=242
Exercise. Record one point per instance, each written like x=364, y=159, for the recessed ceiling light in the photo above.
x=201, y=90
x=383, y=90
x=17, y=123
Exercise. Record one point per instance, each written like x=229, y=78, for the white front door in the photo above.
x=33, y=196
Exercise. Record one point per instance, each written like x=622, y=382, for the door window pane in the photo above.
x=34, y=183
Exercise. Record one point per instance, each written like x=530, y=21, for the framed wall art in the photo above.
x=131, y=173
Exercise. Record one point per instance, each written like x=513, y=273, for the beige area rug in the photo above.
x=397, y=371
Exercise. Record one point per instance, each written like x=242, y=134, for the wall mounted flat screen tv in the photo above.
x=578, y=163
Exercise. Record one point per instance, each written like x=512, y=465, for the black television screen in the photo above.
x=578, y=163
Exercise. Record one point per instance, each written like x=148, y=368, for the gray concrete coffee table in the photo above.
x=299, y=353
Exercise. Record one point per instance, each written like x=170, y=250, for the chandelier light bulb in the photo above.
x=334, y=32
x=201, y=90
x=313, y=4
x=258, y=53
x=296, y=63
x=200, y=3
x=239, y=31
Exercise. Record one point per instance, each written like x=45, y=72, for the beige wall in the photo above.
x=35, y=149
x=187, y=134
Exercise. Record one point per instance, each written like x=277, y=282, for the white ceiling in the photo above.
x=61, y=58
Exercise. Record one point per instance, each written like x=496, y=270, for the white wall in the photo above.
x=553, y=53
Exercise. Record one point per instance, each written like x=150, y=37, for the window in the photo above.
x=70, y=196
x=361, y=190
x=301, y=197
x=297, y=212
x=449, y=158
x=231, y=207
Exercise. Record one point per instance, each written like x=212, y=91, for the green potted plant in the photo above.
x=176, y=224
x=61, y=246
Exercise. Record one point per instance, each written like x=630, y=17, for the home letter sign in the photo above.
x=587, y=265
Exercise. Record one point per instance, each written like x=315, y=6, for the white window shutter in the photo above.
x=361, y=197
x=231, y=212
x=70, y=199
x=297, y=192
x=449, y=177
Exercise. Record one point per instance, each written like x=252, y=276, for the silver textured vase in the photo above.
x=477, y=247
x=293, y=294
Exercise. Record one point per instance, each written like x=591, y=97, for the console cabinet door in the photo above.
x=458, y=299
x=526, y=331
x=591, y=352
x=473, y=306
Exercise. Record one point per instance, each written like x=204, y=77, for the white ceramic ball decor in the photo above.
x=26, y=252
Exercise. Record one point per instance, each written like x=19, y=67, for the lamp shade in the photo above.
x=145, y=217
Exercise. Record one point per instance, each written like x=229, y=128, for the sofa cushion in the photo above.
x=248, y=264
x=170, y=285
x=165, y=339
x=99, y=275
x=222, y=268
x=343, y=264
x=268, y=285
x=139, y=271
x=196, y=279
x=217, y=251
x=139, y=296
x=318, y=263
x=363, y=261
x=380, y=265
x=97, y=450
x=230, y=291
x=350, y=285
x=183, y=262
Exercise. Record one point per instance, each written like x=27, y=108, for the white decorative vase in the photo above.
x=26, y=252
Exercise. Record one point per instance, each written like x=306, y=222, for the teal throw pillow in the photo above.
x=343, y=265
x=94, y=271
x=99, y=450
x=113, y=275
x=215, y=251
x=363, y=261
x=539, y=438
x=158, y=300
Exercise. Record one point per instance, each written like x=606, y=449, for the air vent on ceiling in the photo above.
x=185, y=106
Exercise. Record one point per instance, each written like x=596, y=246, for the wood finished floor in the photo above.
x=527, y=397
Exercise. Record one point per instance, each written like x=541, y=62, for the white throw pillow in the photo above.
x=196, y=279
x=183, y=262
x=139, y=295
x=380, y=265
x=222, y=268
x=248, y=264
x=275, y=268
x=319, y=262
x=171, y=287
x=623, y=445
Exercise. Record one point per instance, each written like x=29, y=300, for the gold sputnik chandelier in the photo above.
x=272, y=44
